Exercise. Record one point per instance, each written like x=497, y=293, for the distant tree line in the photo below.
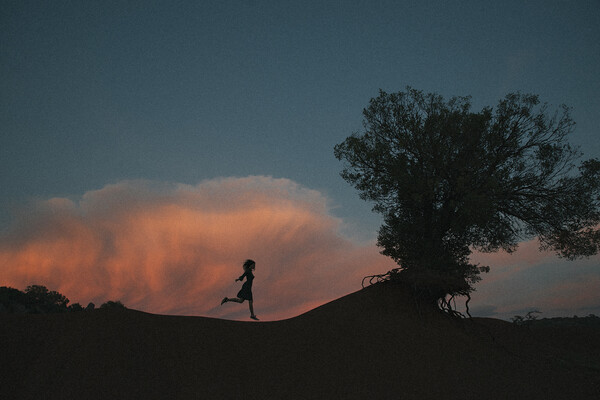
x=37, y=299
x=531, y=319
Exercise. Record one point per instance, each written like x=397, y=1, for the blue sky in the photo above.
x=96, y=93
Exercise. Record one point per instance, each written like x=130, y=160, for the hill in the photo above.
x=372, y=343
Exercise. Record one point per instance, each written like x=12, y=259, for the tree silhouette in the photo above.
x=38, y=299
x=448, y=180
x=113, y=305
x=11, y=299
x=41, y=300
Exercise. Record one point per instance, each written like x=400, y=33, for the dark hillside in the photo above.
x=369, y=344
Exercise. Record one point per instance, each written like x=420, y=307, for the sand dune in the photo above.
x=369, y=344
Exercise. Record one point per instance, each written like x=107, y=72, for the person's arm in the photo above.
x=241, y=278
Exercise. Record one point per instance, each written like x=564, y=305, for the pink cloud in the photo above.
x=529, y=279
x=176, y=249
x=504, y=265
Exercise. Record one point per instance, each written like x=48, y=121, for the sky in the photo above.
x=147, y=148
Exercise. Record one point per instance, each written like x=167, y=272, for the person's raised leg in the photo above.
x=235, y=300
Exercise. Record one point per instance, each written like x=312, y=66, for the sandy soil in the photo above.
x=370, y=344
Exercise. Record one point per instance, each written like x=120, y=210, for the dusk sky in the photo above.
x=148, y=148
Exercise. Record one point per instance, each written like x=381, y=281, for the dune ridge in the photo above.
x=373, y=343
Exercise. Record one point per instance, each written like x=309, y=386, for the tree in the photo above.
x=11, y=299
x=41, y=300
x=113, y=305
x=448, y=180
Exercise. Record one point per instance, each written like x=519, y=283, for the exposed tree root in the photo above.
x=390, y=275
x=447, y=303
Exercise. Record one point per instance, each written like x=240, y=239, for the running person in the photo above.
x=246, y=292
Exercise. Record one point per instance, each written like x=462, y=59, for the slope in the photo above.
x=372, y=343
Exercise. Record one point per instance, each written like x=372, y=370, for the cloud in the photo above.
x=484, y=310
x=529, y=279
x=177, y=249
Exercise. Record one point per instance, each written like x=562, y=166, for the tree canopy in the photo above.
x=38, y=299
x=448, y=180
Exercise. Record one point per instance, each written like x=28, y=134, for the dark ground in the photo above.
x=370, y=344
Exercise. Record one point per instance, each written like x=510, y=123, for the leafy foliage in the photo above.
x=113, y=305
x=591, y=321
x=448, y=180
x=38, y=299
x=528, y=318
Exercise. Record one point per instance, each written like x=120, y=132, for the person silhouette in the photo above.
x=246, y=292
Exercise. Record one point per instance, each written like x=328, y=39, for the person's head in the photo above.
x=249, y=265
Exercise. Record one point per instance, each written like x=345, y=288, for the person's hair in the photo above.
x=248, y=264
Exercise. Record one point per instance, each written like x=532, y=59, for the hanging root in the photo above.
x=448, y=306
x=390, y=275
x=467, y=304
x=447, y=303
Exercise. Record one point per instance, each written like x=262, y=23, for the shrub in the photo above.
x=113, y=305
